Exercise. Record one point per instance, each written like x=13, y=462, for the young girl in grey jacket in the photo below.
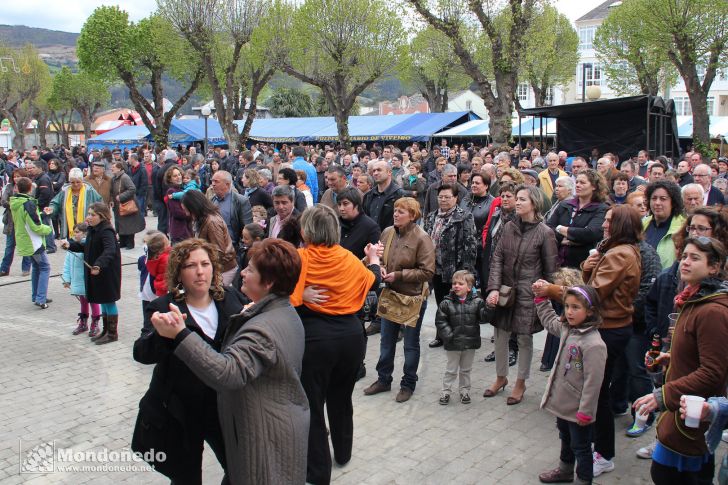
x=573, y=387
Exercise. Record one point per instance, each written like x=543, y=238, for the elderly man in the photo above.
x=692, y=195
x=547, y=178
x=336, y=183
x=695, y=160
x=711, y=195
x=578, y=165
x=234, y=208
x=99, y=180
x=435, y=176
x=629, y=170
x=379, y=201
x=284, y=208
x=450, y=177
x=364, y=183
x=530, y=178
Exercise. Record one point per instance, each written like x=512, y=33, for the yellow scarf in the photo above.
x=345, y=278
x=71, y=221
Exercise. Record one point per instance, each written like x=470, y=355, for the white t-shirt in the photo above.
x=206, y=318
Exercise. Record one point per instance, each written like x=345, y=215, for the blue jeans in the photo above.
x=388, y=346
x=9, y=253
x=576, y=447
x=39, y=276
x=630, y=380
x=141, y=202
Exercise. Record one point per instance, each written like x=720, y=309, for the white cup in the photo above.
x=641, y=417
x=592, y=252
x=694, y=410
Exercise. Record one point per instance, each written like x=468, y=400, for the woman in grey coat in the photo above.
x=526, y=252
x=264, y=413
x=123, y=190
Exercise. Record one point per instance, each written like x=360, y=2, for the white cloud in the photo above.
x=69, y=15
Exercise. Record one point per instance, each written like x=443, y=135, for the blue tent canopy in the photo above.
x=422, y=126
x=287, y=130
x=530, y=127
x=123, y=137
x=191, y=130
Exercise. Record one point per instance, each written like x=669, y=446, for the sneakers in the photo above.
x=646, y=451
x=444, y=399
x=601, y=464
x=636, y=430
x=465, y=398
x=490, y=357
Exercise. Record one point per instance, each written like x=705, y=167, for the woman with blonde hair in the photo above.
x=331, y=289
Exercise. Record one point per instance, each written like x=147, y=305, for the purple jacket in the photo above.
x=180, y=223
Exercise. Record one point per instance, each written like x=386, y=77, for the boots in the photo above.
x=112, y=322
x=94, y=330
x=82, y=324
x=104, y=328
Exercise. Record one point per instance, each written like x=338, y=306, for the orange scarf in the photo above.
x=345, y=278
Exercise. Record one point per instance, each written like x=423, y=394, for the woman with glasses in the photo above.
x=638, y=201
x=696, y=365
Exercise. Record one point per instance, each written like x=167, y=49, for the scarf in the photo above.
x=71, y=219
x=504, y=218
x=346, y=280
x=682, y=297
x=412, y=179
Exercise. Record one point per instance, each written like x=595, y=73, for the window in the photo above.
x=711, y=104
x=549, y=97
x=586, y=37
x=683, y=107
x=594, y=74
x=523, y=92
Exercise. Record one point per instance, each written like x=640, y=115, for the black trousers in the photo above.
x=576, y=447
x=329, y=373
x=667, y=475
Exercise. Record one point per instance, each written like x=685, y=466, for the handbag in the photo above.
x=507, y=294
x=396, y=307
x=128, y=208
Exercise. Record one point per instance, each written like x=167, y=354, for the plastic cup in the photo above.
x=672, y=317
x=641, y=417
x=593, y=251
x=694, y=410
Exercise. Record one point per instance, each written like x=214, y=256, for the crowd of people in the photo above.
x=270, y=267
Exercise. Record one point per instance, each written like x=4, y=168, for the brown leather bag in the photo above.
x=128, y=208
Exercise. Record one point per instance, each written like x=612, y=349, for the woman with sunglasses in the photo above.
x=696, y=365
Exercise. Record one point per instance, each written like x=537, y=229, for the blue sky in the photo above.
x=69, y=15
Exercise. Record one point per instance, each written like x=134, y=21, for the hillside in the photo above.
x=19, y=35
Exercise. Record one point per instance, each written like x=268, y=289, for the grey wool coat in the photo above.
x=525, y=253
x=123, y=187
x=263, y=409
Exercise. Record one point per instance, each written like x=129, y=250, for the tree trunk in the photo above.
x=42, y=131
x=701, y=120
x=342, y=127
x=259, y=80
x=500, y=120
x=19, y=140
x=86, y=121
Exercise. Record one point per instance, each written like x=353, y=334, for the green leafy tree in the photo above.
x=342, y=47
x=237, y=59
x=694, y=35
x=488, y=39
x=632, y=64
x=290, y=103
x=24, y=87
x=111, y=48
x=76, y=93
x=432, y=68
x=59, y=104
x=551, y=53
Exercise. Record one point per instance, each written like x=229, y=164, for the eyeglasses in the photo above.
x=698, y=229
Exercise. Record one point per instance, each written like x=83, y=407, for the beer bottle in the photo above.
x=653, y=354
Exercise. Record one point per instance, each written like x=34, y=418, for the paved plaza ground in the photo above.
x=55, y=387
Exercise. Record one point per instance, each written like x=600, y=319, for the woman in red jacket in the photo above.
x=696, y=365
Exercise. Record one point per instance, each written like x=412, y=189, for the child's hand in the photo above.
x=65, y=244
x=539, y=288
x=492, y=299
x=66, y=285
x=582, y=420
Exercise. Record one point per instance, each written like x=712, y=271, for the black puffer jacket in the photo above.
x=651, y=268
x=585, y=230
x=458, y=324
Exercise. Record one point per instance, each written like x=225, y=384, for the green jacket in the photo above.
x=30, y=232
x=666, y=247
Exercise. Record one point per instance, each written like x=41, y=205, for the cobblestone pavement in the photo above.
x=57, y=387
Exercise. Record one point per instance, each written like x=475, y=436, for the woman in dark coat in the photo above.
x=188, y=405
x=414, y=185
x=180, y=222
x=578, y=221
x=102, y=272
x=526, y=252
x=123, y=190
x=256, y=194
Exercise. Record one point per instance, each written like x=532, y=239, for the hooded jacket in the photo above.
x=458, y=323
x=30, y=232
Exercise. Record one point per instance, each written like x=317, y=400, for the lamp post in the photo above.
x=206, y=111
x=34, y=125
x=583, y=80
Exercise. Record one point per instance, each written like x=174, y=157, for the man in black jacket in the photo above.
x=138, y=174
x=44, y=194
x=379, y=202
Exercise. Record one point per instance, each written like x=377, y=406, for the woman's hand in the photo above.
x=539, y=288
x=663, y=359
x=95, y=270
x=169, y=324
x=704, y=415
x=315, y=294
x=591, y=262
x=374, y=252
x=648, y=401
x=48, y=210
x=492, y=299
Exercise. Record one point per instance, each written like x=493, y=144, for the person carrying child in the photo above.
x=458, y=321
x=190, y=181
x=572, y=391
x=73, y=279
